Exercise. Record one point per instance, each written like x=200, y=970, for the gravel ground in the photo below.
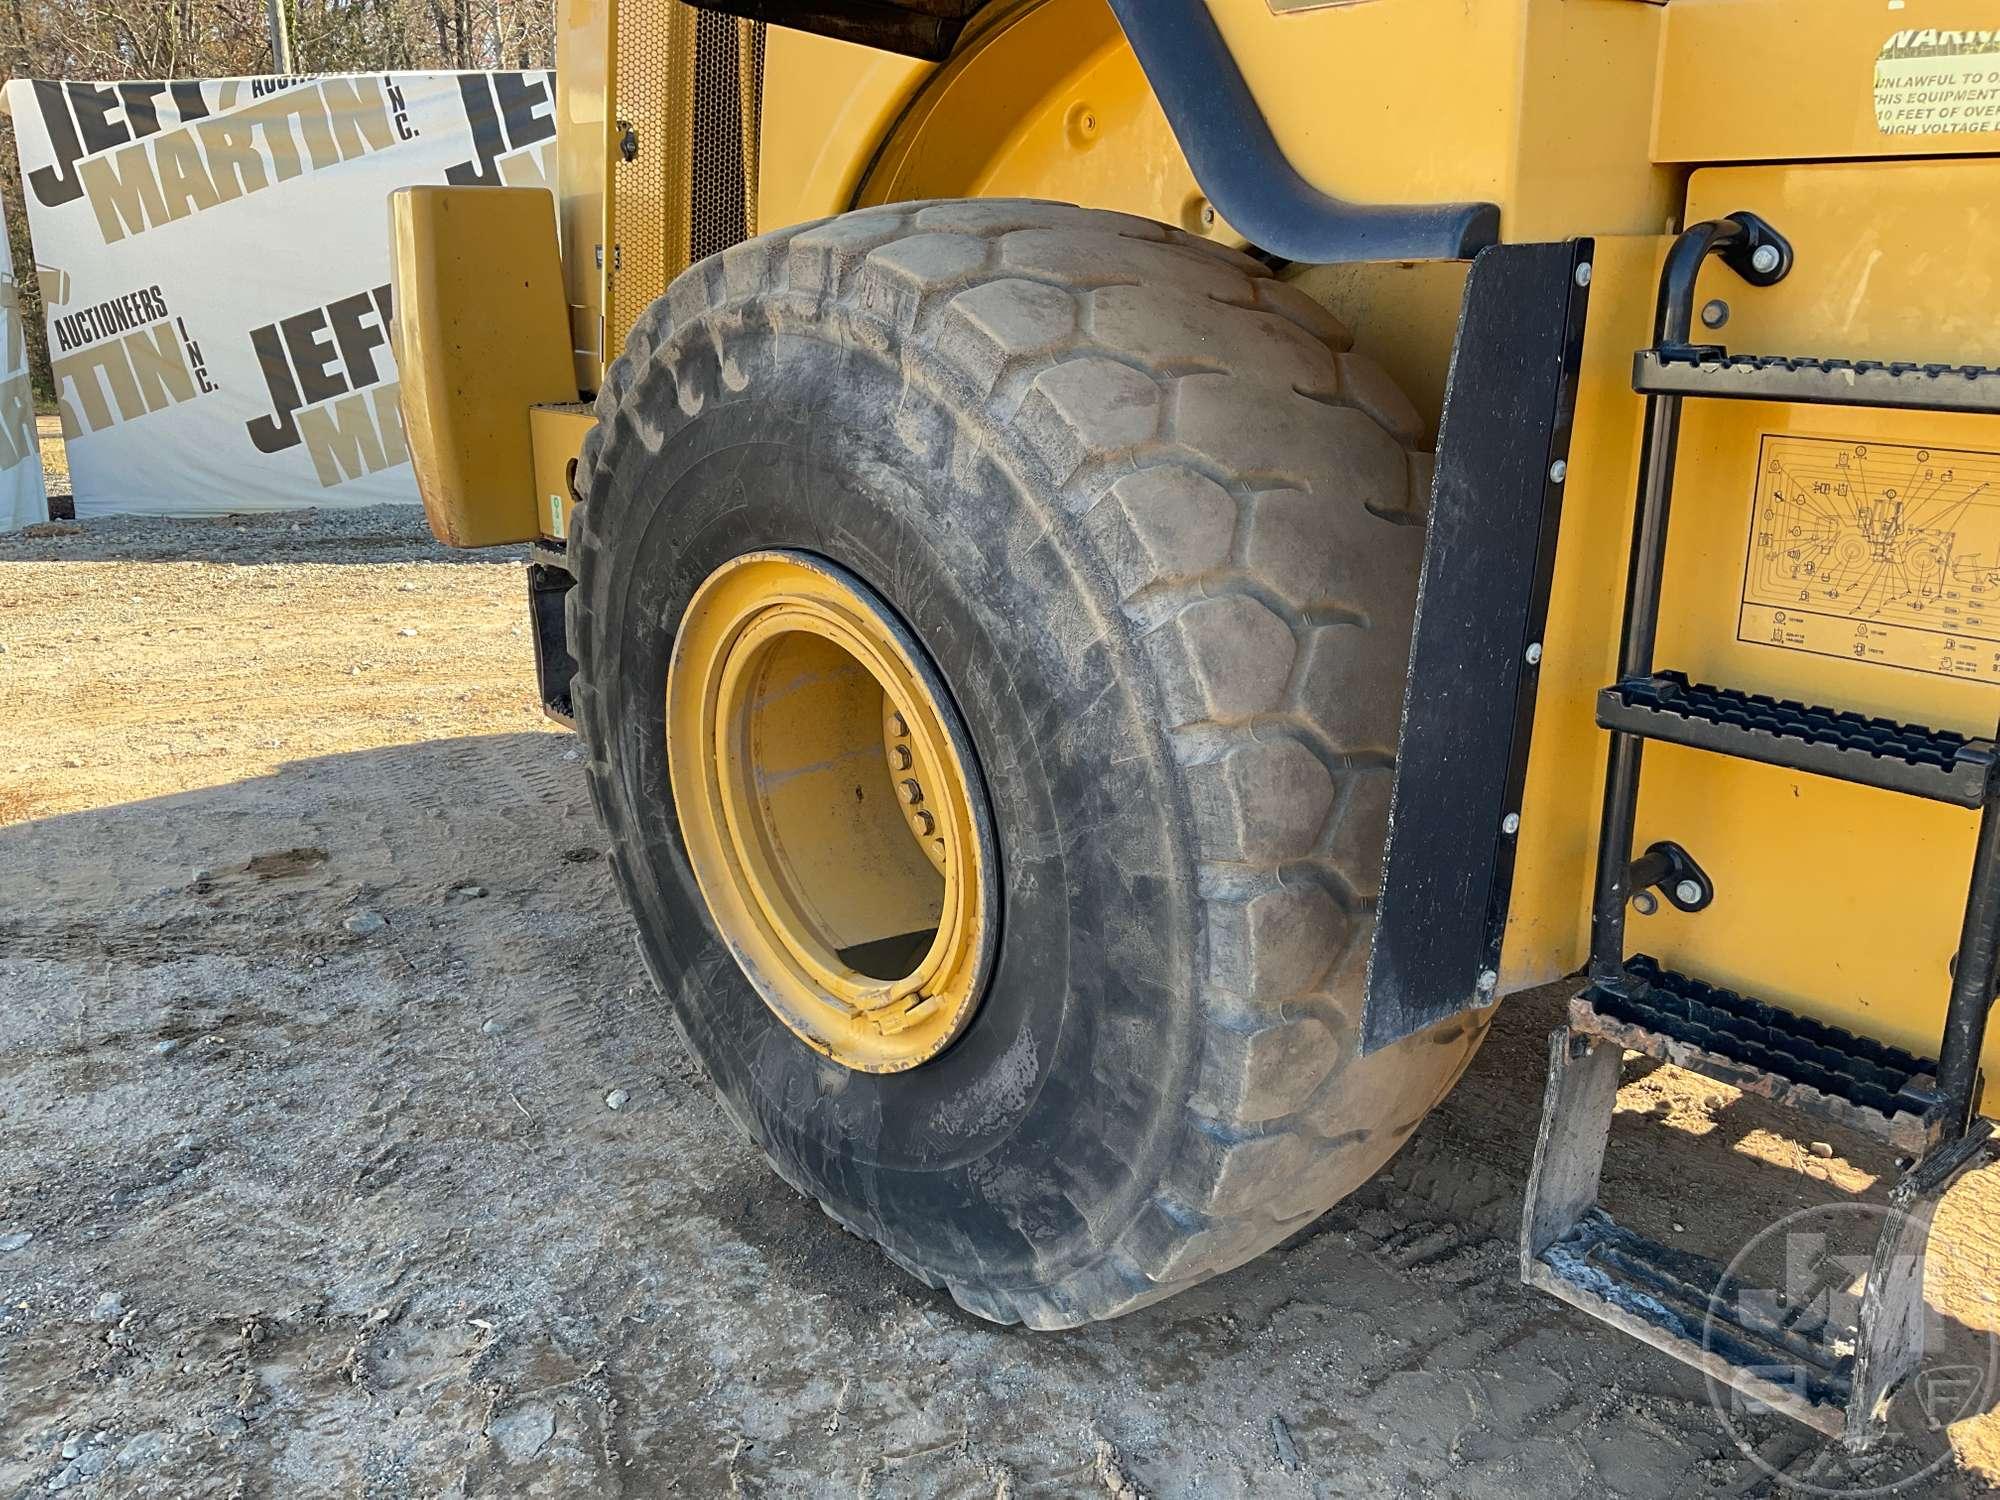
x=315, y=1002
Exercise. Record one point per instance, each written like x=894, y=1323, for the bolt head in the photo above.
x=1511, y=823
x=902, y=757
x=1583, y=274
x=1558, y=471
x=1488, y=980
x=926, y=824
x=1645, y=903
x=1714, y=313
x=1687, y=892
x=1534, y=654
x=898, y=726
x=912, y=792
x=1764, y=259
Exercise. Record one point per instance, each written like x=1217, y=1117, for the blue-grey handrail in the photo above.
x=1240, y=166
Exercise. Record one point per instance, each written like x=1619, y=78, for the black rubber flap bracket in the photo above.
x=1469, y=706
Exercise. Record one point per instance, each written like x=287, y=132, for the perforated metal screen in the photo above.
x=690, y=85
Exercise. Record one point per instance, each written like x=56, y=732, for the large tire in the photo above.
x=1159, y=532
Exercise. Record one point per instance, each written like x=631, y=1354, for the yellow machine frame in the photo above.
x=1576, y=117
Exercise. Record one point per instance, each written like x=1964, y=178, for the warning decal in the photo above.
x=1938, y=82
x=1877, y=551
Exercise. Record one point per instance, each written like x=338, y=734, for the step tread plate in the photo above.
x=1857, y=1082
x=1907, y=385
x=1669, y=1299
x=1938, y=764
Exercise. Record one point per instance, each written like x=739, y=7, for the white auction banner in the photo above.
x=23, y=500
x=214, y=254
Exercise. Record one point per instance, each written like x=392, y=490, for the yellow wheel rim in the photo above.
x=831, y=810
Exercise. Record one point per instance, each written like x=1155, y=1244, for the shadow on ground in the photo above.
x=369, y=534
x=307, y=1162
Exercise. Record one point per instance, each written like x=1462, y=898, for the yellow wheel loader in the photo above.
x=1127, y=568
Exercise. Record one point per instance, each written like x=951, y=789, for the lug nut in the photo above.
x=1534, y=653
x=926, y=824
x=912, y=792
x=898, y=726
x=1583, y=274
x=1645, y=903
x=1688, y=892
x=1511, y=823
x=1558, y=471
x=902, y=757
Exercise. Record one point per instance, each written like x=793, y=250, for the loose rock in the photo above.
x=14, y=1241
x=524, y=1432
x=364, y=922
x=616, y=1099
x=1821, y=1149
x=142, y=1449
x=1281, y=1439
x=109, y=1308
x=84, y=1466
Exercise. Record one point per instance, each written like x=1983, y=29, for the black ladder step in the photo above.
x=1933, y=763
x=1855, y=1081
x=1710, y=371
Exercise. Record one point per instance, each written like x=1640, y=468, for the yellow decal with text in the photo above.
x=1938, y=82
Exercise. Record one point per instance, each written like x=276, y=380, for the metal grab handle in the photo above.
x=1762, y=256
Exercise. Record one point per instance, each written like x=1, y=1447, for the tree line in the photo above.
x=107, y=41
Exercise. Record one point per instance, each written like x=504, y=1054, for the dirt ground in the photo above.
x=313, y=990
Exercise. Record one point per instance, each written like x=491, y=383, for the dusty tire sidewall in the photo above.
x=1031, y=1141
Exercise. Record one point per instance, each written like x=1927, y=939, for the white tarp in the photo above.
x=215, y=259
x=23, y=501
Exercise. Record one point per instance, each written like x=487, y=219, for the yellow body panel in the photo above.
x=583, y=154
x=481, y=337
x=1762, y=80
x=1540, y=106
x=827, y=106
x=1046, y=101
x=557, y=432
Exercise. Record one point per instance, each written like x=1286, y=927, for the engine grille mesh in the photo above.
x=690, y=83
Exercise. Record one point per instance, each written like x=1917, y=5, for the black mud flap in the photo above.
x=549, y=583
x=1488, y=560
